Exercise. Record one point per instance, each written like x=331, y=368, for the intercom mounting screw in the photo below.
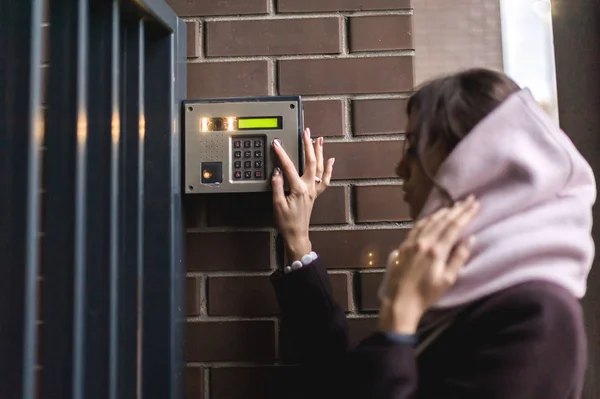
x=191, y=187
x=190, y=109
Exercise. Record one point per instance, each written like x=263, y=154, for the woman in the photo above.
x=506, y=325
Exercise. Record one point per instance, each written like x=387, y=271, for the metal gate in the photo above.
x=90, y=207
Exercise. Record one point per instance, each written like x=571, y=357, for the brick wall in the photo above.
x=446, y=46
x=352, y=61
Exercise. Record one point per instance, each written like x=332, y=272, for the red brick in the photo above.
x=270, y=382
x=324, y=117
x=368, y=287
x=256, y=209
x=274, y=37
x=365, y=160
x=231, y=341
x=331, y=207
x=240, y=210
x=385, y=32
x=229, y=251
x=379, y=116
x=250, y=296
x=355, y=249
x=362, y=75
x=381, y=204
x=194, y=382
x=227, y=79
x=193, y=296
x=192, y=8
x=360, y=329
x=192, y=210
x=193, y=39
x=341, y=5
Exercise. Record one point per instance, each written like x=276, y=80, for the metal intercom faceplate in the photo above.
x=228, y=142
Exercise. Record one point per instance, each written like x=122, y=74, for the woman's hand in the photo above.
x=292, y=212
x=425, y=266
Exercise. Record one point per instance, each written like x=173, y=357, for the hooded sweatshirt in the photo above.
x=536, y=193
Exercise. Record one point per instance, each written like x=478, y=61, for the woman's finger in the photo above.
x=279, y=200
x=287, y=165
x=319, y=157
x=326, y=176
x=422, y=226
x=458, y=259
x=309, y=158
x=454, y=227
x=435, y=230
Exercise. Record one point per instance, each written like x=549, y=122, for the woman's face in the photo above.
x=417, y=184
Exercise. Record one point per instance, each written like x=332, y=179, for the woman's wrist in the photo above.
x=296, y=248
x=400, y=317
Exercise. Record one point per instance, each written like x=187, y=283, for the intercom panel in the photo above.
x=228, y=142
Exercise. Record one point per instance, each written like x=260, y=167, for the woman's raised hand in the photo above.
x=425, y=266
x=293, y=211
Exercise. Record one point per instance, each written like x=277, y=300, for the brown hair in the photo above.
x=446, y=109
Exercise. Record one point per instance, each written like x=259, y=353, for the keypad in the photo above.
x=249, y=162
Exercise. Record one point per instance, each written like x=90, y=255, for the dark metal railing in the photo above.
x=90, y=201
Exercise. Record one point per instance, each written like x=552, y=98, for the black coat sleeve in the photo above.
x=316, y=326
x=318, y=330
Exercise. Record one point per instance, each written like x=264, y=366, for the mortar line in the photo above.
x=366, y=138
x=334, y=227
x=344, y=34
x=230, y=273
x=272, y=78
x=203, y=295
x=272, y=15
x=220, y=319
x=372, y=54
x=216, y=365
x=383, y=96
x=353, y=306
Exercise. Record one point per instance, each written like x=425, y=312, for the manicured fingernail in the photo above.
x=277, y=172
x=308, y=132
x=277, y=143
x=321, y=141
x=332, y=161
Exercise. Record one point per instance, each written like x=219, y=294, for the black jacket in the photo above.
x=526, y=342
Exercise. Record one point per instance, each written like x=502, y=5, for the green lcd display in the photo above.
x=259, y=123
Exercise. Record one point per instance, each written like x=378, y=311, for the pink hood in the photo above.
x=536, y=193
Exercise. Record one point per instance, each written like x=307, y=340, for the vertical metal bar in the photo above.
x=141, y=201
x=179, y=295
x=21, y=139
x=163, y=261
x=101, y=207
x=65, y=167
x=124, y=284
